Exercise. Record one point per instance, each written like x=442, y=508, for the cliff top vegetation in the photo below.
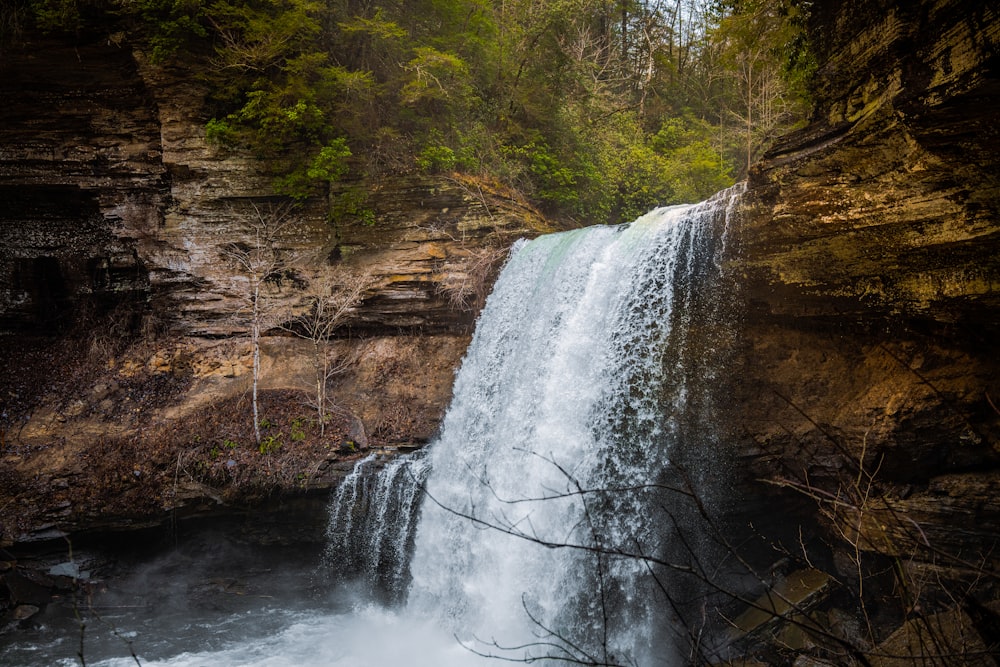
x=595, y=110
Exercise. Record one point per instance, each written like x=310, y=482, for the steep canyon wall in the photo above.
x=870, y=257
x=121, y=312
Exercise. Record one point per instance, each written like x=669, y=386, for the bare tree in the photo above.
x=260, y=263
x=763, y=100
x=470, y=275
x=330, y=298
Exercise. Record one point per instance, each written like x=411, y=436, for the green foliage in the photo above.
x=298, y=431
x=693, y=168
x=437, y=80
x=696, y=171
x=270, y=444
x=593, y=111
x=765, y=56
x=172, y=24
x=560, y=180
x=331, y=161
x=15, y=16
x=376, y=27
x=352, y=203
x=221, y=133
x=57, y=15
x=437, y=159
x=328, y=164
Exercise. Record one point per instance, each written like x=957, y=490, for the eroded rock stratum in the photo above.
x=124, y=317
x=868, y=373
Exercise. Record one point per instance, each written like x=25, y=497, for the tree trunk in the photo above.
x=321, y=366
x=255, y=350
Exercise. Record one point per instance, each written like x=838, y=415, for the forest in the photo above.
x=593, y=110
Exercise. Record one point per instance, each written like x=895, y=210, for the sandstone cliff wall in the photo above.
x=867, y=378
x=123, y=323
x=110, y=188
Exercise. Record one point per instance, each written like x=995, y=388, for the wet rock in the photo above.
x=26, y=587
x=69, y=175
x=869, y=256
x=809, y=661
x=357, y=433
x=947, y=638
x=24, y=612
x=65, y=573
x=102, y=390
x=7, y=561
x=867, y=363
x=791, y=596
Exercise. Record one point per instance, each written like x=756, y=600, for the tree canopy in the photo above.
x=595, y=110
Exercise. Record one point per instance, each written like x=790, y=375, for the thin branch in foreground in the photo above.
x=570, y=652
x=793, y=615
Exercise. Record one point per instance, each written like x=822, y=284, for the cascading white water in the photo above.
x=546, y=484
x=371, y=524
x=563, y=400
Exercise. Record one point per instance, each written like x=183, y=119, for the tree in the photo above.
x=543, y=96
x=755, y=40
x=329, y=299
x=13, y=19
x=260, y=263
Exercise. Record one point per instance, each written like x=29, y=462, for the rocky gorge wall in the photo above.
x=867, y=376
x=123, y=320
x=870, y=250
x=109, y=187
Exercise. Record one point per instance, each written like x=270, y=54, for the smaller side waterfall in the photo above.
x=372, y=519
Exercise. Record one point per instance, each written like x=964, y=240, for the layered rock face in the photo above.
x=869, y=367
x=109, y=188
x=421, y=240
x=80, y=163
x=119, y=223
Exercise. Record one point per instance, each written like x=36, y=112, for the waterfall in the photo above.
x=551, y=521
x=370, y=530
x=576, y=394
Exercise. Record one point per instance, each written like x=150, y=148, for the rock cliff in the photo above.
x=123, y=318
x=868, y=373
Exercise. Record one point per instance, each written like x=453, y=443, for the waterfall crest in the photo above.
x=568, y=409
